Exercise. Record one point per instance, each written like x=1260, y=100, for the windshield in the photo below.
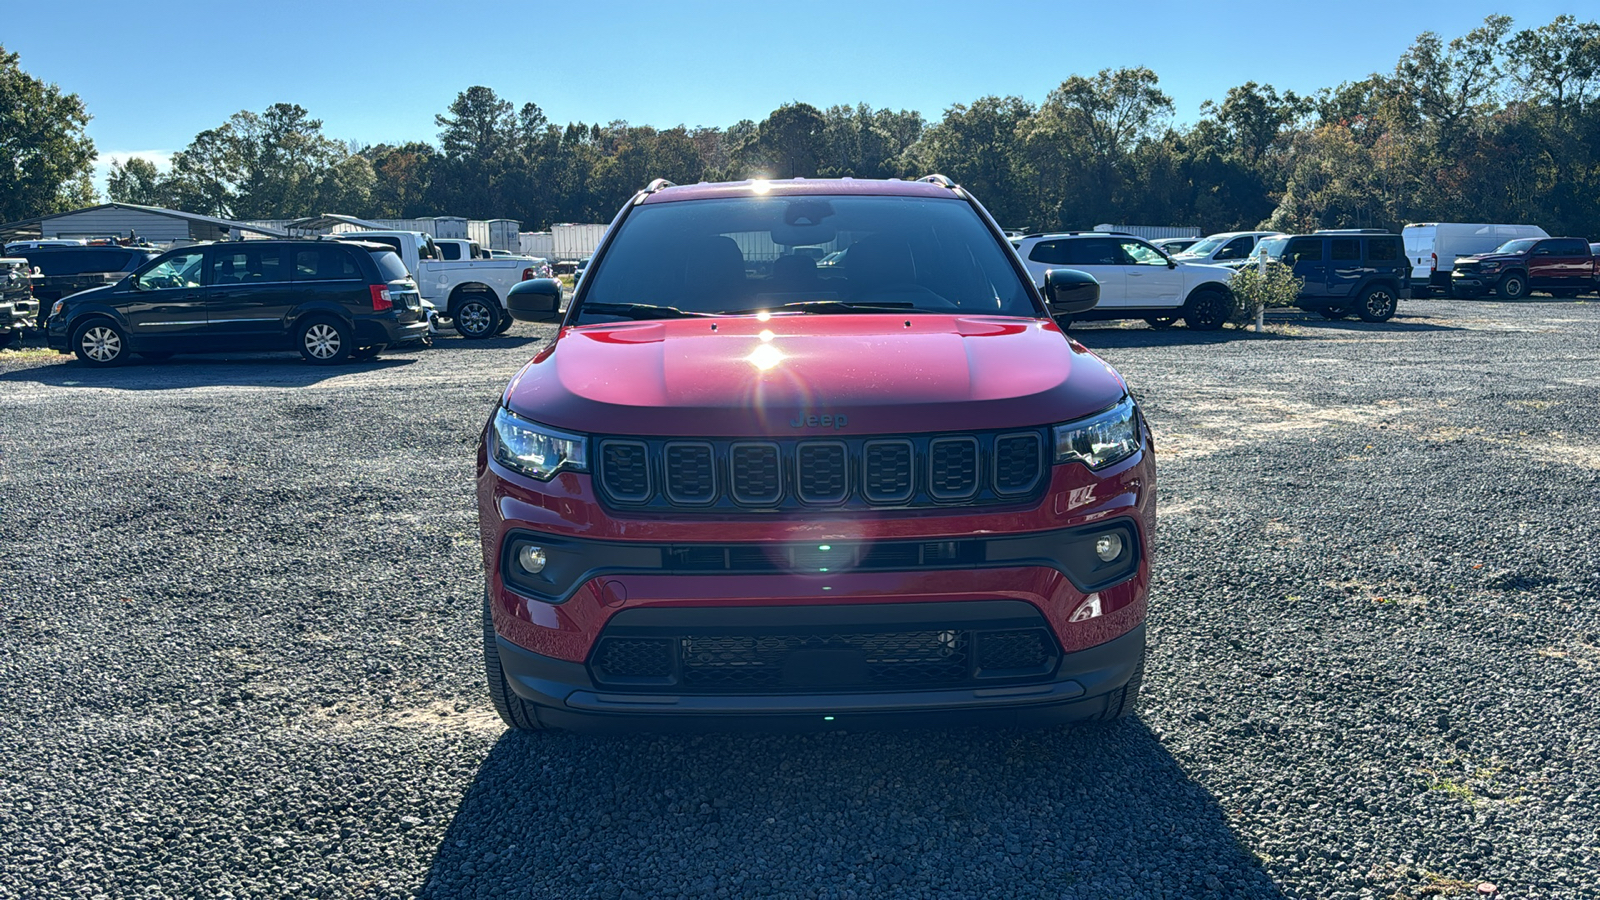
x=1517, y=246
x=737, y=256
x=1272, y=247
x=1206, y=246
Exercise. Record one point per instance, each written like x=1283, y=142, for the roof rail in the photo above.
x=658, y=184
x=938, y=179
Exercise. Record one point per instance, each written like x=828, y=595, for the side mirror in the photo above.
x=535, y=300
x=1070, y=292
x=1171, y=263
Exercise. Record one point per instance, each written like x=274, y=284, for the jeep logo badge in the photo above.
x=834, y=422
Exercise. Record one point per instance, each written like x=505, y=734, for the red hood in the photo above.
x=883, y=374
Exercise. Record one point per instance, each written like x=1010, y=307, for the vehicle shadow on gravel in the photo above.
x=276, y=370
x=1090, y=812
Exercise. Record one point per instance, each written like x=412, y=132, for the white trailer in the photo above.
x=537, y=243
x=575, y=242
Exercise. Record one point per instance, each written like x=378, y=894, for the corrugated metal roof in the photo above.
x=29, y=226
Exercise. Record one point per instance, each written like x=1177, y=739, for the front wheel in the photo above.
x=513, y=710
x=100, y=343
x=325, y=342
x=477, y=317
x=1377, y=304
x=1206, y=311
x=1513, y=286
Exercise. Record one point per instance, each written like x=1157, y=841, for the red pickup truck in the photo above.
x=1559, y=266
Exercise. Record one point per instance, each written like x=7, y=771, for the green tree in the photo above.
x=138, y=181
x=792, y=141
x=45, y=158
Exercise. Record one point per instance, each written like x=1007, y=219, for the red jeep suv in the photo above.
x=739, y=488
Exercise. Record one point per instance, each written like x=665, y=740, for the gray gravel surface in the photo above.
x=239, y=649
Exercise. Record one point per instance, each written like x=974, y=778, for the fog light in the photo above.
x=531, y=559
x=1108, y=546
x=1087, y=610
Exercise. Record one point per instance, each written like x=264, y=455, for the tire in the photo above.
x=1512, y=286
x=1377, y=304
x=1161, y=323
x=1124, y=701
x=324, y=342
x=476, y=316
x=1206, y=310
x=100, y=343
x=514, y=711
x=1334, y=313
x=505, y=324
x=155, y=356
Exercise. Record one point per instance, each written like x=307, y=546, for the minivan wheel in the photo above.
x=476, y=317
x=1377, y=304
x=325, y=342
x=1206, y=311
x=1513, y=286
x=514, y=711
x=100, y=343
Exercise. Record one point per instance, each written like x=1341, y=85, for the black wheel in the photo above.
x=368, y=352
x=100, y=343
x=155, y=356
x=1512, y=286
x=514, y=711
x=1377, y=304
x=505, y=324
x=325, y=342
x=477, y=316
x=1124, y=701
x=1161, y=323
x=1206, y=310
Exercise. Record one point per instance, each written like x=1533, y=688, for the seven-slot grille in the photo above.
x=897, y=472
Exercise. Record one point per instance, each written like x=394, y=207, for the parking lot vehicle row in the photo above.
x=329, y=300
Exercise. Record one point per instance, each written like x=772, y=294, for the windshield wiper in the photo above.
x=640, y=311
x=829, y=306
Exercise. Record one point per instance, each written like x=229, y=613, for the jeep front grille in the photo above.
x=834, y=473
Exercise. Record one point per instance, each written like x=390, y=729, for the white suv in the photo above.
x=1137, y=281
x=1230, y=248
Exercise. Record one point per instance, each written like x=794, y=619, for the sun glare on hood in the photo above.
x=764, y=357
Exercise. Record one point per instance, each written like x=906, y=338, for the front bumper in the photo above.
x=1079, y=689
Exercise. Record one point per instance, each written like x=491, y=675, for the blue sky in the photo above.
x=153, y=76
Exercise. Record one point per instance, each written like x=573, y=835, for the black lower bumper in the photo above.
x=390, y=331
x=1079, y=689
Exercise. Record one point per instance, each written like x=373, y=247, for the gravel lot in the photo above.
x=239, y=643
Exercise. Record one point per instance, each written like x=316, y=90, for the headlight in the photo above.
x=55, y=310
x=1102, y=439
x=1489, y=266
x=537, y=451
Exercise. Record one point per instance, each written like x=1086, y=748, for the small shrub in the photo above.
x=1254, y=290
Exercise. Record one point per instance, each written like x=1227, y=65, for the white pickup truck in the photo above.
x=469, y=291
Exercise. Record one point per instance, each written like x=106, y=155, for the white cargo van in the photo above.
x=1433, y=247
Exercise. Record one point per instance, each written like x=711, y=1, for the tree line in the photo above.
x=1496, y=125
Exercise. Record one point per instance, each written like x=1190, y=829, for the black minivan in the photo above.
x=330, y=300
